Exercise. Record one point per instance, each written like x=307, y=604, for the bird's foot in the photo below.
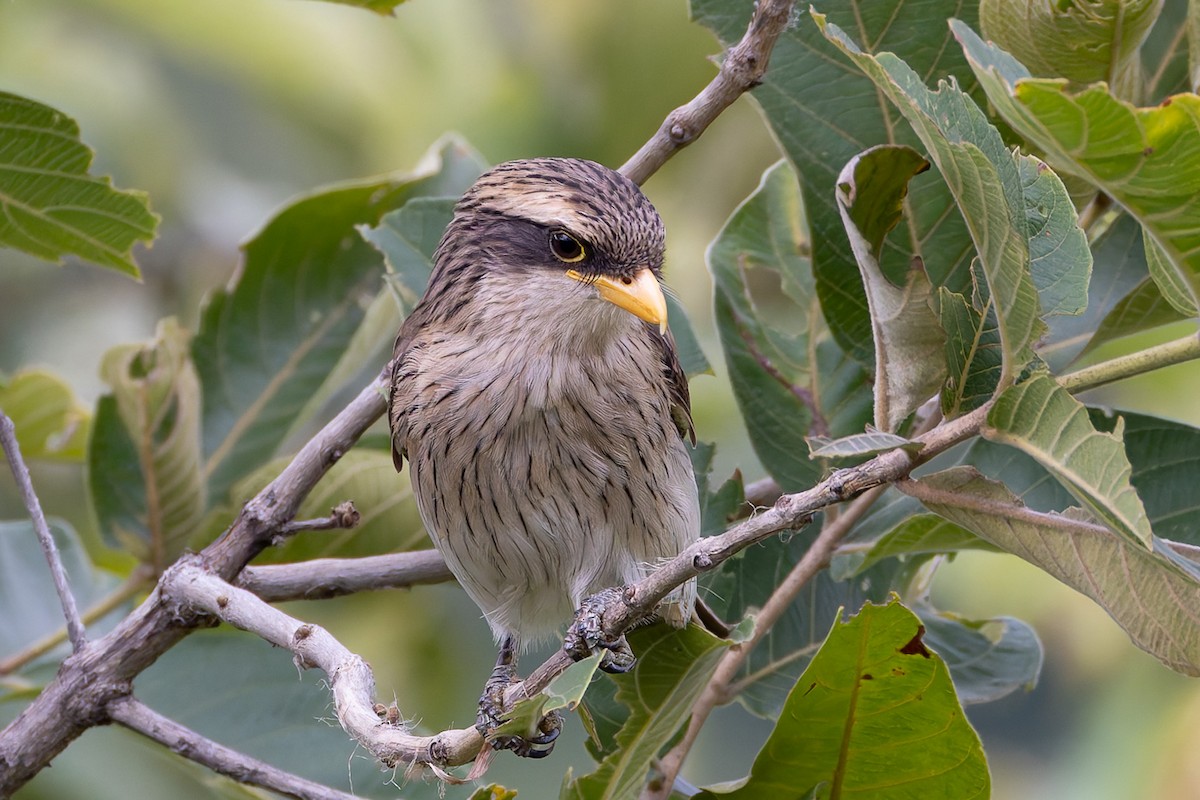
x=586, y=634
x=492, y=714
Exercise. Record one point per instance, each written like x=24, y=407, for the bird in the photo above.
x=537, y=396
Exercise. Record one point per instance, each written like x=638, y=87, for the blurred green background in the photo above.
x=222, y=111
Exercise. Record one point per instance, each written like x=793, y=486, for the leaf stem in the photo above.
x=1141, y=362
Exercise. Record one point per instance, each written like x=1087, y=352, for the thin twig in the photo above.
x=742, y=69
x=332, y=577
x=343, y=516
x=139, y=717
x=8, y=440
x=1139, y=363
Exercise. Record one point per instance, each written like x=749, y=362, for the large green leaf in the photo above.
x=1083, y=42
x=1147, y=159
x=1152, y=593
x=988, y=659
x=823, y=113
x=144, y=459
x=50, y=421
x=1043, y=420
x=908, y=339
x=874, y=716
x=268, y=342
x=673, y=668
x=49, y=205
x=1018, y=212
x=788, y=376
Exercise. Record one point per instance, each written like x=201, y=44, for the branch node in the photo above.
x=702, y=562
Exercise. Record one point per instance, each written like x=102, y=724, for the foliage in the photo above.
x=909, y=261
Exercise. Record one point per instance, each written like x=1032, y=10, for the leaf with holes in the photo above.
x=874, y=716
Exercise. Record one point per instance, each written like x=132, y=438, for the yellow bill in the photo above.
x=640, y=295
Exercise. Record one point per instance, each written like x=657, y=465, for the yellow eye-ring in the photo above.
x=566, y=247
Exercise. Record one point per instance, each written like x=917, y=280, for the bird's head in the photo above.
x=570, y=228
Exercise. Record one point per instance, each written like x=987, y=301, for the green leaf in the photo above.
x=50, y=206
x=407, y=238
x=860, y=445
x=50, y=421
x=493, y=791
x=1008, y=201
x=1147, y=159
x=1043, y=420
x=908, y=340
x=1084, y=43
x=1122, y=300
x=672, y=669
x=267, y=344
x=917, y=535
x=788, y=376
x=746, y=582
x=146, y=447
x=874, y=715
x=716, y=507
x=822, y=114
x=1152, y=593
x=31, y=606
x=564, y=693
x=988, y=659
x=1165, y=457
x=974, y=356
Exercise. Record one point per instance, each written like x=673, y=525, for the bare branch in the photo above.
x=229, y=762
x=742, y=69
x=8, y=440
x=332, y=577
x=89, y=681
x=350, y=678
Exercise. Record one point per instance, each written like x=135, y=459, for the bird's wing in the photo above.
x=677, y=384
x=406, y=343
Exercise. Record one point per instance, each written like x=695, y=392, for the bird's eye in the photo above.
x=566, y=247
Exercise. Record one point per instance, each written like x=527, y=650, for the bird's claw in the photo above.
x=491, y=715
x=586, y=634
